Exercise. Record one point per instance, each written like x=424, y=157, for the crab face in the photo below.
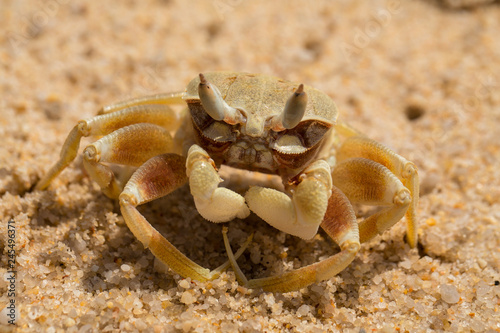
x=257, y=122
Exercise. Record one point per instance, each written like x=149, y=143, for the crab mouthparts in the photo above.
x=250, y=156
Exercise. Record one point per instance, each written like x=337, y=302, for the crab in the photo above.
x=258, y=123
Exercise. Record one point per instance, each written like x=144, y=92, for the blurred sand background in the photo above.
x=421, y=77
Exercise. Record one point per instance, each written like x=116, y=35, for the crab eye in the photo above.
x=289, y=144
x=295, y=108
x=293, y=112
x=211, y=99
x=305, y=138
x=219, y=131
x=207, y=127
x=215, y=106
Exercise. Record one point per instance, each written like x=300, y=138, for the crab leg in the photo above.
x=345, y=129
x=299, y=215
x=131, y=145
x=367, y=182
x=168, y=98
x=156, y=178
x=104, y=124
x=341, y=225
x=216, y=204
x=361, y=146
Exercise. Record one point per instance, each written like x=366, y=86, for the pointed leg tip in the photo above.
x=411, y=241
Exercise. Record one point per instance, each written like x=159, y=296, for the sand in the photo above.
x=421, y=77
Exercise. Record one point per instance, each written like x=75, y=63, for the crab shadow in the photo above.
x=175, y=217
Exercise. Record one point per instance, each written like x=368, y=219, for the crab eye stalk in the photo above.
x=295, y=108
x=215, y=105
x=294, y=111
x=211, y=99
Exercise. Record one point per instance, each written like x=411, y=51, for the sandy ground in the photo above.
x=421, y=77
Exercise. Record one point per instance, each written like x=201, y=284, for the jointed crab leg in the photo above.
x=367, y=182
x=68, y=154
x=157, y=178
x=131, y=145
x=154, y=179
x=104, y=124
x=168, y=98
x=341, y=225
x=406, y=171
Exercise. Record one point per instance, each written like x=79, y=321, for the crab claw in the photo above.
x=215, y=105
x=293, y=113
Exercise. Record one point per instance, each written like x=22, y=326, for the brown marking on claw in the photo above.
x=159, y=176
x=339, y=216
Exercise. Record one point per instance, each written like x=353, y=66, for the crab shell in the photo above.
x=252, y=144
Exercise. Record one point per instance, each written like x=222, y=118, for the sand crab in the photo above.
x=258, y=123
